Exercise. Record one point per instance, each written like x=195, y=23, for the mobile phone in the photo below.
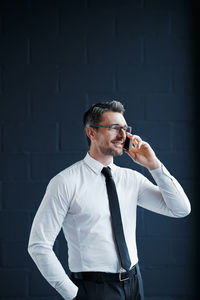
x=128, y=144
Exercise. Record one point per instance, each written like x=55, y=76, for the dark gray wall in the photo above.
x=56, y=59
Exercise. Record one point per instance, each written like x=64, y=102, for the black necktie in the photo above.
x=116, y=219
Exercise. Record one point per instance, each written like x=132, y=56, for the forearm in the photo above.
x=45, y=229
x=167, y=198
x=172, y=192
x=52, y=270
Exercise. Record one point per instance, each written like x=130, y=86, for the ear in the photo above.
x=91, y=133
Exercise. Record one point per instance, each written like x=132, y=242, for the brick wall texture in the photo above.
x=58, y=57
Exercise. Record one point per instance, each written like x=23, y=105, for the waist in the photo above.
x=103, y=276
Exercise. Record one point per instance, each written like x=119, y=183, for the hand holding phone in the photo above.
x=128, y=144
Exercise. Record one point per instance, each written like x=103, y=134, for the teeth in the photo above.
x=118, y=143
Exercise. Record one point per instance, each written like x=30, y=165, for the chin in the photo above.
x=117, y=153
x=111, y=151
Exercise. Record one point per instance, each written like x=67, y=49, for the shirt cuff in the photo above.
x=68, y=289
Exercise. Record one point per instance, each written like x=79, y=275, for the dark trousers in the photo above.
x=131, y=289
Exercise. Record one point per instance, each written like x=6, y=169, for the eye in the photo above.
x=116, y=127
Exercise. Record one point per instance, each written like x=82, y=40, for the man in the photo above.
x=101, y=235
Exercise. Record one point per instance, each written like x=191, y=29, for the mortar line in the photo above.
x=58, y=23
x=2, y=74
x=28, y=51
x=29, y=106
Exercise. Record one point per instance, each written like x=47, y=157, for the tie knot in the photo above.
x=106, y=171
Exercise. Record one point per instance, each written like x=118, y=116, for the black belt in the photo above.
x=102, y=276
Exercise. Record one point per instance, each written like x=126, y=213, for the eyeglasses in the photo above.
x=115, y=128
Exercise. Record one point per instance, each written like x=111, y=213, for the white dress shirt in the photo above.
x=76, y=200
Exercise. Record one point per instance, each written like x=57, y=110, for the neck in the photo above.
x=103, y=159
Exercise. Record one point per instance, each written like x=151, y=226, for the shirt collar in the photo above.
x=95, y=165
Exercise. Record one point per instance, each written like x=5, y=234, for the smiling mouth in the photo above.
x=118, y=143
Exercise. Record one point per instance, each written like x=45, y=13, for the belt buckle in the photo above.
x=123, y=279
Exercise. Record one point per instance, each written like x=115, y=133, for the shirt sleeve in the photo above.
x=166, y=198
x=45, y=228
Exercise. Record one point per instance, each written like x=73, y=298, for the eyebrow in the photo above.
x=119, y=124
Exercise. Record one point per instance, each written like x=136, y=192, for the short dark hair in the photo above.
x=94, y=114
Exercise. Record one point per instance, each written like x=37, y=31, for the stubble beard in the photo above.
x=110, y=151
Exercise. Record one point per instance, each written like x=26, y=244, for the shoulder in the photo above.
x=73, y=169
x=64, y=182
x=129, y=174
x=69, y=173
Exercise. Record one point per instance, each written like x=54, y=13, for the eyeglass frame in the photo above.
x=125, y=128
